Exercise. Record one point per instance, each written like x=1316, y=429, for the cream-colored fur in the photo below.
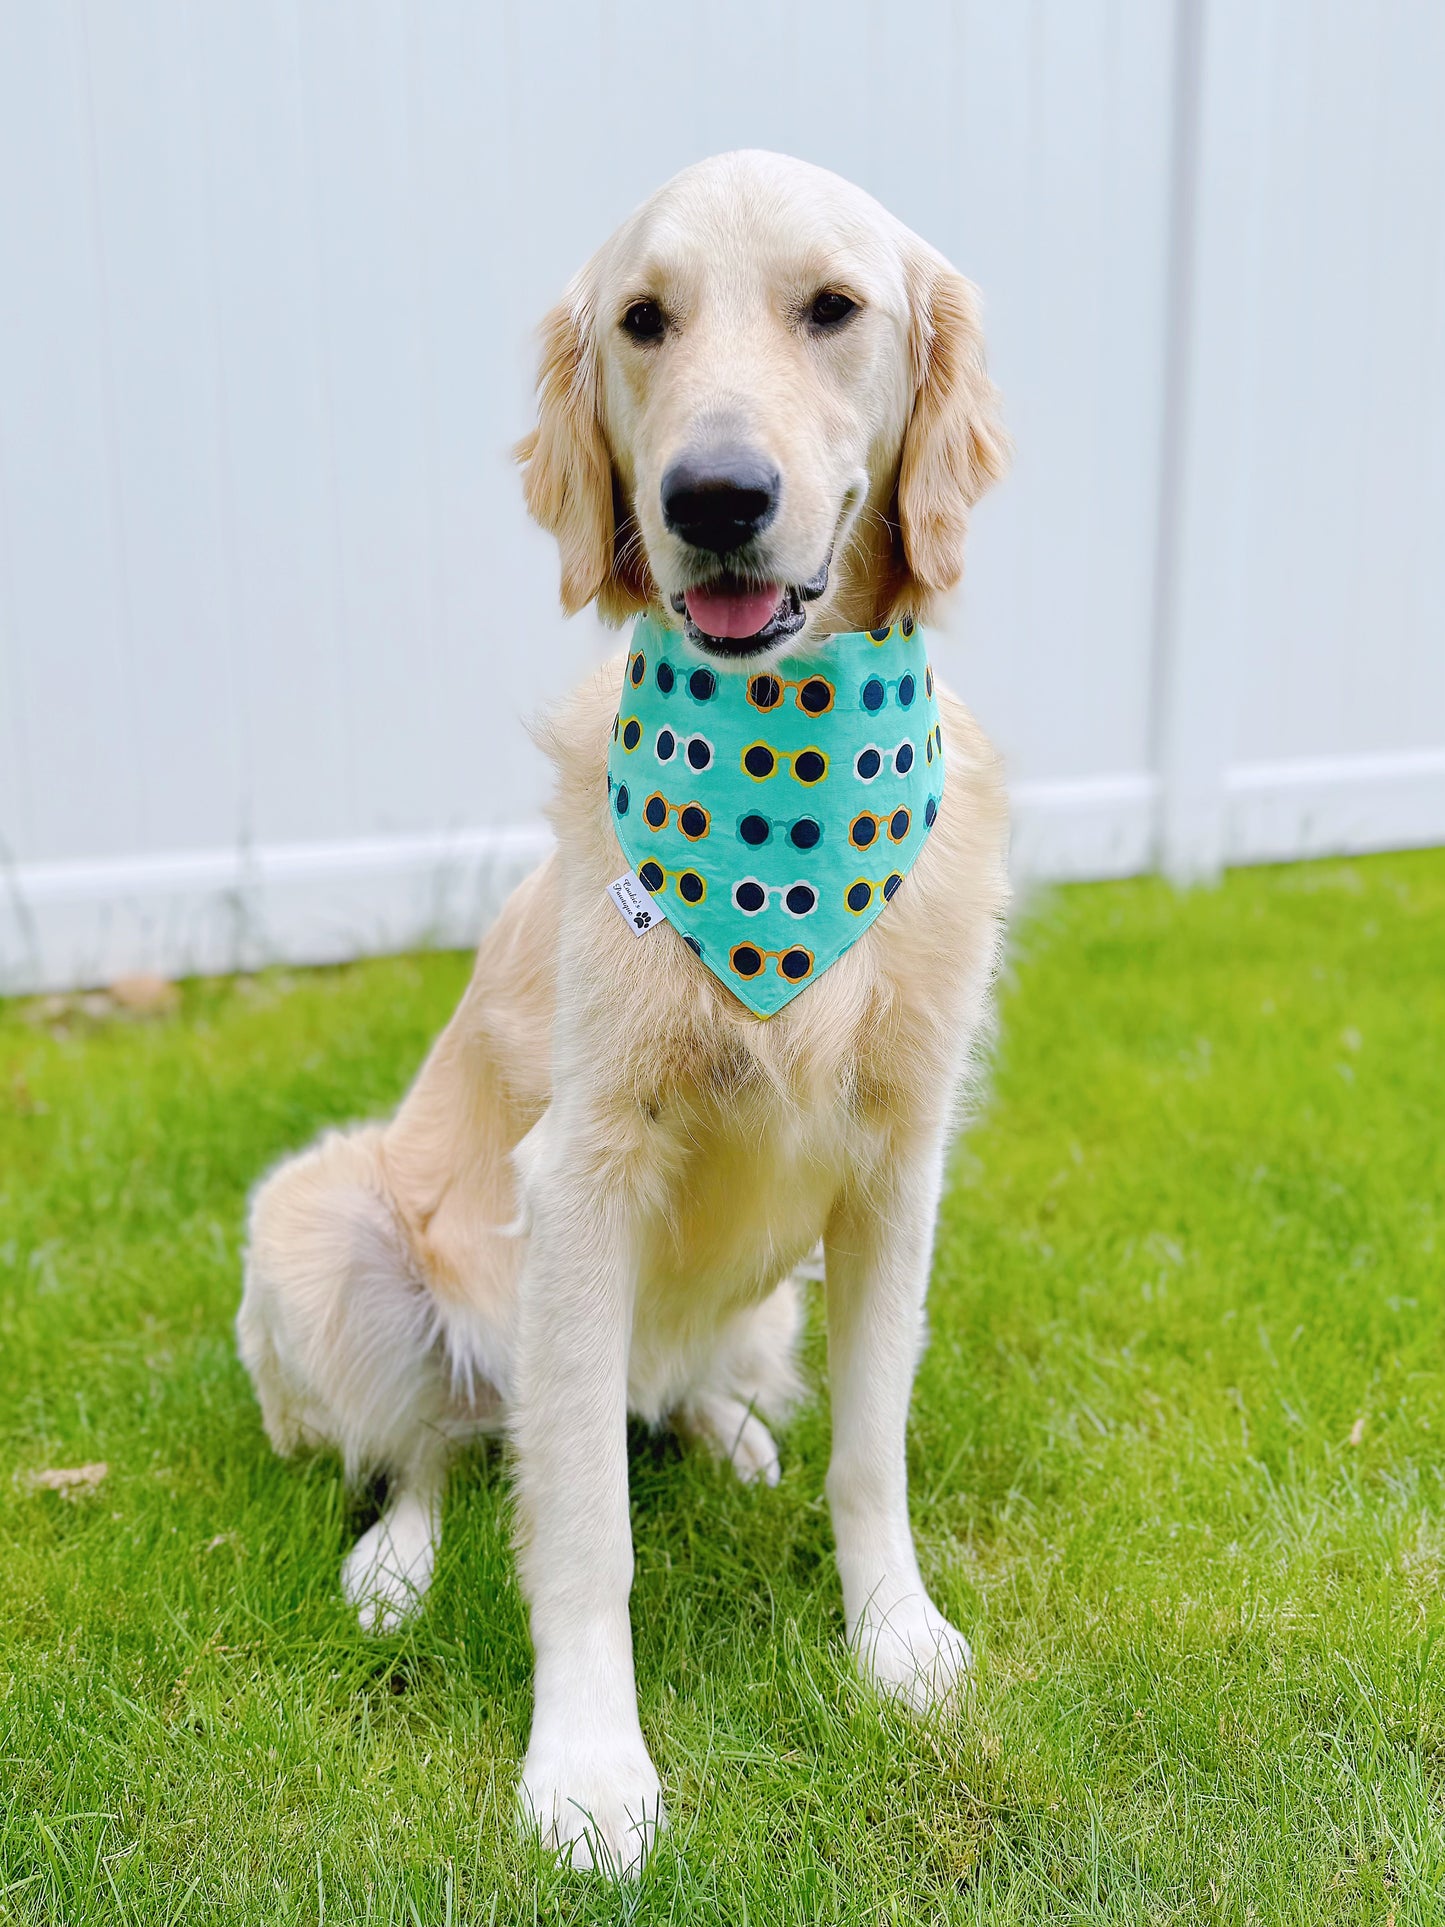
x=596, y=1195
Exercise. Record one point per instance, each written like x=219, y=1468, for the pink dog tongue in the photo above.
x=734, y=613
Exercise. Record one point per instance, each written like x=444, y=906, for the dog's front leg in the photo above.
x=588, y=1784
x=879, y=1251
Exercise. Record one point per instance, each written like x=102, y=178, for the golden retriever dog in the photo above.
x=596, y=1197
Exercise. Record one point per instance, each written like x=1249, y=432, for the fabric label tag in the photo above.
x=633, y=904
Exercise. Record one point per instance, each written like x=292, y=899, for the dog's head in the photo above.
x=763, y=405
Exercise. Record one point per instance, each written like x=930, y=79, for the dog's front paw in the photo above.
x=388, y=1570
x=596, y=1804
x=912, y=1654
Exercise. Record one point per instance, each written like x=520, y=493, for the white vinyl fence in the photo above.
x=271, y=617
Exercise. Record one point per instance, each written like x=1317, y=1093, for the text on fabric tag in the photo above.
x=633, y=904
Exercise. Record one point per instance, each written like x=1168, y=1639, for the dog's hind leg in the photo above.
x=387, y=1572
x=752, y=1377
x=733, y=1433
x=340, y=1333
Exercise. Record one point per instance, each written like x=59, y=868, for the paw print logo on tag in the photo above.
x=633, y=904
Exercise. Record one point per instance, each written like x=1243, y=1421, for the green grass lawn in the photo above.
x=1178, y=1456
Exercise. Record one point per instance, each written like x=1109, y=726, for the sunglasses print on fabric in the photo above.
x=752, y=896
x=689, y=885
x=880, y=636
x=692, y=819
x=697, y=749
x=700, y=684
x=626, y=730
x=866, y=828
x=933, y=743
x=814, y=695
x=808, y=766
x=748, y=961
x=859, y=894
x=870, y=762
x=876, y=690
x=803, y=833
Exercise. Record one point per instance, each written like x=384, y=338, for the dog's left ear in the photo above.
x=955, y=445
x=567, y=473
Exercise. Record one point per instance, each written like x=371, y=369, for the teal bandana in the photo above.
x=771, y=813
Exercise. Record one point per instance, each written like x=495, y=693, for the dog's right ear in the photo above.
x=567, y=474
x=566, y=469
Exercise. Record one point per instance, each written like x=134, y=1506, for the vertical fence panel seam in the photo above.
x=1166, y=720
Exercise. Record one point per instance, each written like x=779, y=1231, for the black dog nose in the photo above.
x=720, y=499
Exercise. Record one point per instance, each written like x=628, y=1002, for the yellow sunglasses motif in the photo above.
x=808, y=766
x=865, y=829
x=795, y=963
x=691, y=887
x=814, y=695
x=692, y=819
x=859, y=895
x=879, y=636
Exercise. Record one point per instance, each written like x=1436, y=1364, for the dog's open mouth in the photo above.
x=731, y=617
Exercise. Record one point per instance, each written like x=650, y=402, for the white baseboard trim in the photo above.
x=1334, y=806
x=64, y=926
x=67, y=925
x=1100, y=826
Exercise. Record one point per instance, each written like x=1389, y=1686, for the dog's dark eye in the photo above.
x=829, y=308
x=644, y=321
